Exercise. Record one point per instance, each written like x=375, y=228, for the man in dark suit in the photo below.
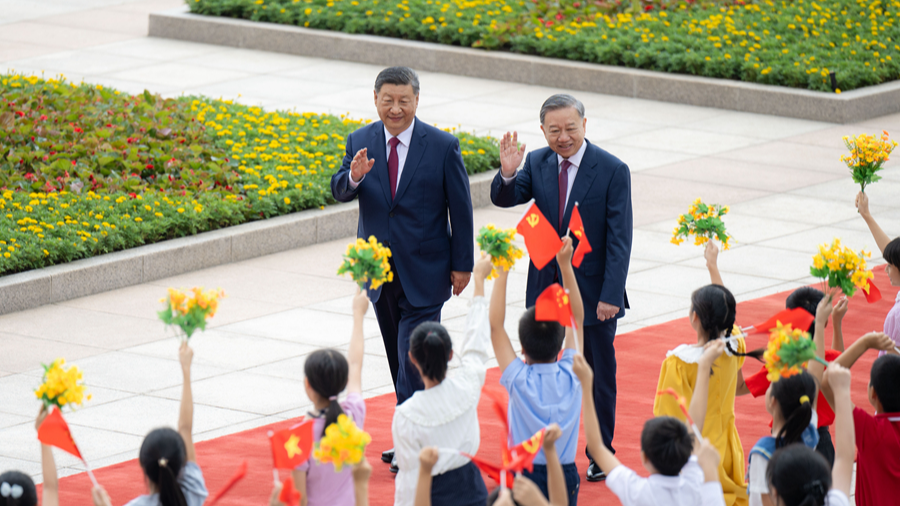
x=413, y=182
x=572, y=170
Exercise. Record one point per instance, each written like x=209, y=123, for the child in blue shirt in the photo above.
x=542, y=390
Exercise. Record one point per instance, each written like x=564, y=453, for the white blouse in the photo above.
x=445, y=416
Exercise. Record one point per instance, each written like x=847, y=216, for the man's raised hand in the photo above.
x=361, y=165
x=511, y=154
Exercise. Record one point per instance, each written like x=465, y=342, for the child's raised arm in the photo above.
x=699, y=399
x=602, y=456
x=186, y=412
x=845, y=439
x=50, y=490
x=428, y=457
x=361, y=474
x=837, y=317
x=823, y=312
x=503, y=349
x=870, y=341
x=711, y=253
x=556, y=480
x=564, y=259
x=357, y=348
x=862, y=204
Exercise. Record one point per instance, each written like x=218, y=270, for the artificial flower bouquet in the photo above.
x=189, y=310
x=842, y=267
x=788, y=351
x=867, y=155
x=62, y=385
x=343, y=443
x=367, y=262
x=498, y=244
x=704, y=222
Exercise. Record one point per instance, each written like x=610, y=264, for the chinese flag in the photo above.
x=541, y=238
x=873, y=294
x=292, y=447
x=552, y=305
x=576, y=226
x=54, y=431
x=798, y=318
x=289, y=494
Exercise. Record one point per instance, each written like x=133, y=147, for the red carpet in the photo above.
x=639, y=355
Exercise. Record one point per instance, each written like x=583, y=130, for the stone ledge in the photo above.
x=848, y=107
x=26, y=290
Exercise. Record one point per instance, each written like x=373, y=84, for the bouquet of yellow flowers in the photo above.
x=343, y=443
x=62, y=386
x=788, y=352
x=842, y=267
x=498, y=244
x=367, y=262
x=704, y=222
x=867, y=154
x=190, y=310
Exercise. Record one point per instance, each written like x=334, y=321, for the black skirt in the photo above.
x=462, y=486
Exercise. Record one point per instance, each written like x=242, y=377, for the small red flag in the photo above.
x=292, y=447
x=522, y=456
x=238, y=476
x=552, y=305
x=541, y=239
x=289, y=495
x=54, y=431
x=577, y=228
x=798, y=318
x=492, y=470
x=873, y=294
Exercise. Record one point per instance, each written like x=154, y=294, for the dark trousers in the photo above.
x=570, y=471
x=463, y=486
x=397, y=318
x=826, y=446
x=601, y=355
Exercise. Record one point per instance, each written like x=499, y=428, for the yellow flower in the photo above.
x=61, y=386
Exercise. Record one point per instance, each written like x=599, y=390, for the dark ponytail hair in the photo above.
x=794, y=395
x=18, y=479
x=806, y=298
x=327, y=372
x=715, y=308
x=431, y=346
x=162, y=458
x=800, y=475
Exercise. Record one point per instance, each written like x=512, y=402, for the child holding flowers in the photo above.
x=890, y=248
x=328, y=374
x=17, y=488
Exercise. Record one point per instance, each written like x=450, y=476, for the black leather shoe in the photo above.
x=594, y=473
x=387, y=456
x=395, y=469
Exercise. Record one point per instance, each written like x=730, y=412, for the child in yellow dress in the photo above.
x=711, y=316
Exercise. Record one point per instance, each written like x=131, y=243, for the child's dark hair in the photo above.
x=162, y=458
x=807, y=298
x=800, y=475
x=715, y=308
x=884, y=379
x=541, y=341
x=794, y=395
x=667, y=443
x=327, y=372
x=13, y=481
x=431, y=346
x=892, y=252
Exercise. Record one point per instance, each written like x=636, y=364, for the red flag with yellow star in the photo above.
x=576, y=226
x=541, y=239
x=292, y=447
x=553, y=305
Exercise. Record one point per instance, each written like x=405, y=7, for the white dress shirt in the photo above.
x=689, y=488
x=445, y=415
x=575, y=160
x=402, y=150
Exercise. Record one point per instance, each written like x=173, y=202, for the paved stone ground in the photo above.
x=783, y=178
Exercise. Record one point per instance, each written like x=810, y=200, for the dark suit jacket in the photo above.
x=424, y=244
x=602, y=189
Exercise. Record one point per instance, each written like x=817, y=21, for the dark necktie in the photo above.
x=393, y=165
x=563, y=188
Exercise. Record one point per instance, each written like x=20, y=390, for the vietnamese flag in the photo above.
x=292, y=447
x=552, y=305
x=54, y=431
x=541, y=239
x=798, y=318
x=872, y=293
x=576, y=226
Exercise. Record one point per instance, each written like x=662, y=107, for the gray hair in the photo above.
x=397, y=75
x=561, y=101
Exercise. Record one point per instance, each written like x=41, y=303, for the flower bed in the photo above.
x=795, y=44
x=86, y=170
